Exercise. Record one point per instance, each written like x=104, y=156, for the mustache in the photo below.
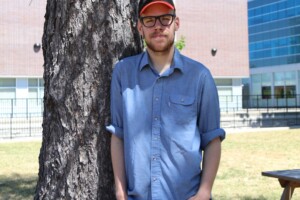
x=157, y=34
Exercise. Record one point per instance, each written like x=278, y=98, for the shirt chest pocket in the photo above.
x=182, y=108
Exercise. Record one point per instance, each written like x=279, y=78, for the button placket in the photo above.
x=155, y=141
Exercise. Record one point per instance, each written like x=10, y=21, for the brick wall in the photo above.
x=205, y=25
x=21, y=25
x=216, y=24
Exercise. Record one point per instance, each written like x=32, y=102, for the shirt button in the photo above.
x=156, y=118
x=154, y=179
x=156, y=98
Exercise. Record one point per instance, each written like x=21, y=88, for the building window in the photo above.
x=35, y=90
x=266, y=82
x=223, y=82
x=285, y=85
x=291, y=91
x=267, y=14
x=266, y=92
x=7, y=88
x=224, y=89
x=298, y=82
x=273, y=32
x=279, y=92
x=256, y=84
x=290, y=78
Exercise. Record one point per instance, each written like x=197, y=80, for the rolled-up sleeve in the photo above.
x=209, y=116
x=207, y=137
x=116, y=107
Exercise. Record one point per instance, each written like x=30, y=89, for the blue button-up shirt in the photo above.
x=165, y=121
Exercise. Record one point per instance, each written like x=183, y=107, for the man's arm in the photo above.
x=117, y=156
x=211, y=161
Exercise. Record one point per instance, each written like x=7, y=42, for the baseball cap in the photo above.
x=144, y=4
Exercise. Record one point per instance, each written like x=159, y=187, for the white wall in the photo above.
x=237, y=87
x=21, y=88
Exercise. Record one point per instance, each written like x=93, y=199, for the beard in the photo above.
x=160, y=49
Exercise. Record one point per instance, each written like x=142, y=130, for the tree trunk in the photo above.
x=82, y=40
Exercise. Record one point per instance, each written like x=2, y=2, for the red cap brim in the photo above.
x=157, y=2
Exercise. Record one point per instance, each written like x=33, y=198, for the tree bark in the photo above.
x=82, y=40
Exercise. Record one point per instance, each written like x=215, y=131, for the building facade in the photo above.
x=216, y=34
x=21, y=62
x=274, y=52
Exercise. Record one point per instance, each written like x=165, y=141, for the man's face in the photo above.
x=159, y=38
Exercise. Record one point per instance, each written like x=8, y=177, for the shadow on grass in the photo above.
x=16, y=187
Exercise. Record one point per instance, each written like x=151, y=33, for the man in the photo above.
x=165, y=112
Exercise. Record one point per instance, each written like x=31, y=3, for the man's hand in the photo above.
x=117, y=155
x=211, y=160
x=121, y=197
x=201, y=196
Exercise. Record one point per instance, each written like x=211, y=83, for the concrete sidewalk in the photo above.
x=252, y=130
x=21, y=139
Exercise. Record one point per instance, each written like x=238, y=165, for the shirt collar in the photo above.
x=177, y=62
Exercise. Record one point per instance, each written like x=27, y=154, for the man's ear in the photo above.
x=140, y=28
x=177, y=23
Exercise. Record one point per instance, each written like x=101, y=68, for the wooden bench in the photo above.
x=288, y=179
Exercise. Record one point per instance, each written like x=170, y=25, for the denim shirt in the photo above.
x=165, y=121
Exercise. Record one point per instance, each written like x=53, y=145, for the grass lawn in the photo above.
x=244, y=157
x=18, y=169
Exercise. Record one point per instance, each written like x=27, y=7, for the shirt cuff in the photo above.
x=206, y=138
x=117, y=131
